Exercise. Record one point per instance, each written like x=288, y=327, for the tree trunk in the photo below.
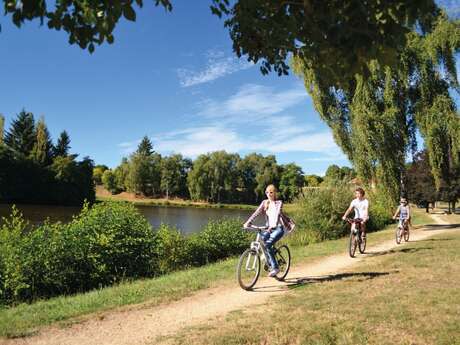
x=448, y=203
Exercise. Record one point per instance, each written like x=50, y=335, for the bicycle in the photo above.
x=356, y=239
x=249, y=264
x=402, y=232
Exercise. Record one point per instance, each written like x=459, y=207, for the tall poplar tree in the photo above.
x=374, y=119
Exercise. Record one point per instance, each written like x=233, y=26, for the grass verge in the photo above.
x=407, y=295
x=25, y=319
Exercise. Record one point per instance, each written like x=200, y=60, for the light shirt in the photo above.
x=272, y=215
x=404, y=212
x=361, y=208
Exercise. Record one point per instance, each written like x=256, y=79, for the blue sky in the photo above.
x=171, y=76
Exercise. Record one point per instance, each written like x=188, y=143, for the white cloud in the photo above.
x=218, y=65
x=253, y=119
x=128, y=147
x=197, y=140
x=252, y=103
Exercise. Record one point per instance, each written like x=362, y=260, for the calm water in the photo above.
x=186, y=219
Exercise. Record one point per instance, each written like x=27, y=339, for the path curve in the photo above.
x=142, y=326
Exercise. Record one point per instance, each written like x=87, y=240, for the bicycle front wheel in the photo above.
x=352, y=245
x=248, y=269
x=406, y=235
x=283, y=257
x=398, y=235
x=362, y=243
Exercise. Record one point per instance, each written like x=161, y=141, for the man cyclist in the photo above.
x=361, y=207
x=403, y=211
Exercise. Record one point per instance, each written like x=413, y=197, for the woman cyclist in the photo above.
x=277, y=224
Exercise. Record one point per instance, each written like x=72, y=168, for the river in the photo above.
x=187, y=219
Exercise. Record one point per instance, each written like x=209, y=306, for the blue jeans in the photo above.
x=270, y=238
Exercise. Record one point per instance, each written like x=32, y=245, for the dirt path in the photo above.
x=142, y=326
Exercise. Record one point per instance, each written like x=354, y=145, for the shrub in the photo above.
x=219, y=239
x=318, y=214
x=171, y=250
x=319, y=211
x=102, y=245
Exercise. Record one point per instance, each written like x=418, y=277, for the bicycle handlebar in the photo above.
x=255, y=228
x=355, y=220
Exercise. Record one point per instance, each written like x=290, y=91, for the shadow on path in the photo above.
x=435, y=227
x=396, y=251
x=295, y=282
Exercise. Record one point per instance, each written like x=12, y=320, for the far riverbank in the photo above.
x=103, y=195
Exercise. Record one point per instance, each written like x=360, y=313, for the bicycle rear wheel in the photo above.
x=398, y=235
x=352, y=244
x=248, y=269
x=283, y=257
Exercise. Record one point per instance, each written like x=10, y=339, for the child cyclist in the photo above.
x=361, y=207
x=403, y=211
x=277, y=225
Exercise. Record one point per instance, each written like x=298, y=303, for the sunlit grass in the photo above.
x=408, y=295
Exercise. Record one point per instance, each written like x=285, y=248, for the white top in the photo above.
x=272, y=214
x=361, y=208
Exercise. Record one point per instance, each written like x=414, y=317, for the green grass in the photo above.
x=408, y=295
x=26, y=318
x=420, y=217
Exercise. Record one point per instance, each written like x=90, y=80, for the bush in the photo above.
x=104, y=244
x=219, y=239
x=171, y=250
x=101, y=246
x=319, y=213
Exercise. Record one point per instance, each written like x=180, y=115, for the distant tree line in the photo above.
x=213, y=177
x=35, y=170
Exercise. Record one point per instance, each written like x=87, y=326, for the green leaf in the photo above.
x=129, y=13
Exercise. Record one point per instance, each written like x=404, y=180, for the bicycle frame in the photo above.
x=259, y=246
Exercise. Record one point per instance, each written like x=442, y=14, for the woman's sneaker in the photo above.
x=273, y=272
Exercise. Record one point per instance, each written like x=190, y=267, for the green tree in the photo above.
x=291, y=181
x=248, y=167
x=338, y=175
x=2, y=128
x=145, y=147
x=268, y=172
x=98, y=171
x=109, y=181
x=42, y=149
x=63, y=145
x=374, y=119
x=313, y=180
x=421, y=187
x=21, y=135
x=144, y=170
x=338, y=37
x=121, y=174
x=198, y=179
x=173, y=174
x=214, y=177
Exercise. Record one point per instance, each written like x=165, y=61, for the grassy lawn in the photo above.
x=26, y=318
x=408, y=295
